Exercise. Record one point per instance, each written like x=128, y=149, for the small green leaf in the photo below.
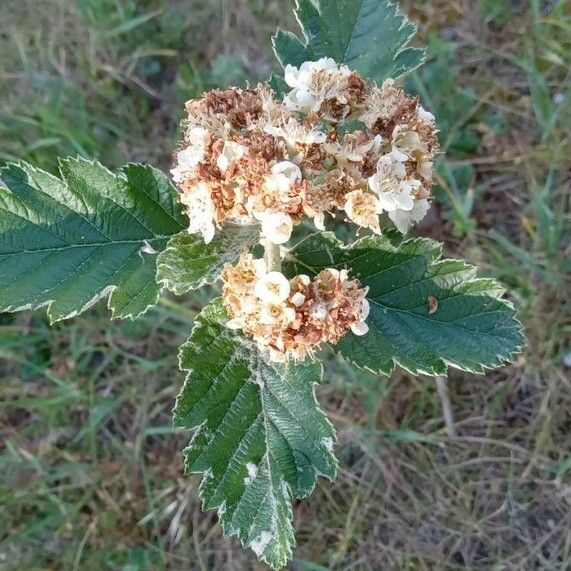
x=260, y=440
x=426, y=313
x=67, y=242
x=279, y=85
x=370, y=36
x=188, y=263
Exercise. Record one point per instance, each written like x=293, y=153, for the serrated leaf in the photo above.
x=67, y=242
x=370, y=36
x=260, y=438
x=426, y=313
x=188, y=263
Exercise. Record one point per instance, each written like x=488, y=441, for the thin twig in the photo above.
x=273, y=257
x=442, y=389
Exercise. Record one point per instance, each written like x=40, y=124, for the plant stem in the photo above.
x=442, y=389
x=272, y=257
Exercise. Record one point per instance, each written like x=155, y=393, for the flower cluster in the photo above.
x=292, y=318
x=335, y=143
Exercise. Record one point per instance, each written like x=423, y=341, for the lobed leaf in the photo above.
x=426, y=313
x=260, y=440
x=67, y=242
x=370, y=36
x=188, y=263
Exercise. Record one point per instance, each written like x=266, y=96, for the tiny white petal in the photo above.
x=298, y=299
x=260, y=267
x=231, y=152
x=404, y=219
x=360, y=329
x=319, y=221
x=208, y=232
x=365, y=308
x=266, y=316
x=399, y=156
x=289, y=314
x=319, y=312
x=236, y=323
x=426, y=115
x=289, y=169
x=277, y=357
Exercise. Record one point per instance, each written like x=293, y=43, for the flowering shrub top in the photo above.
x=335, y=138
x=291, y=318
x=335, y=143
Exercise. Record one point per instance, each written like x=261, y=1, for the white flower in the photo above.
x=351, y=152
x=271, y=314
x=291, y=171
x=200, y=210
x=362, y=208
x=314, y=82
x=276, y=226
x=188, y=159
x=301, y=78
x=406, y=143
x=388, y=166
x=400, y=199
x=404, y=219
x=278, y=184
x=393, y=194
x=294, y=133
x=272, y=288
x=231, y=152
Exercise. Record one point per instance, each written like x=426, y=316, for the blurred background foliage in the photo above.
x=90, y=468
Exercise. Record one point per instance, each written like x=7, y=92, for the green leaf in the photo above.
x=260, y=439
x=188, y=263
x=67, y=242
x=370, y=36
x=472, y=328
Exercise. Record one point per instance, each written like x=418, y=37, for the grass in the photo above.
x=90, y=468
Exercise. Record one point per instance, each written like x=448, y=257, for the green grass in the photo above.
x=90, y=468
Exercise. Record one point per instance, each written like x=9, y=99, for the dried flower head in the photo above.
x=292, y=318
x=335, y=143
x=324, y=88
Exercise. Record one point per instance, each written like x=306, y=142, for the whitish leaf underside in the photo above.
x=66, y=242
x=426, y=313
x=260, y=438
x=370, y=36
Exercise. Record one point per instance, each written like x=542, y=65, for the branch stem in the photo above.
x=272, y=257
